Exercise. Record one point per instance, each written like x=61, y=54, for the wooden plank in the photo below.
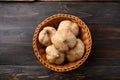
x=82, y=0
x=8, y=72
x=19, y=0
x=66, y=0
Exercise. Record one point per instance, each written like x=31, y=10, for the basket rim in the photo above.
x=79, y=62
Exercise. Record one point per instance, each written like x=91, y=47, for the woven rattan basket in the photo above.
x=54, y=21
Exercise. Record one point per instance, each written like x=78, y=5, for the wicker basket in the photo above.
x=54, y=21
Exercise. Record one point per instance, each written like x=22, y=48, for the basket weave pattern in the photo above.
x=84, y=35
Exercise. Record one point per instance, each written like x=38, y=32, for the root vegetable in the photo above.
x=64, y=40
x=76, y=53
x=45, y=35
x=67, y=24
x=54, y=56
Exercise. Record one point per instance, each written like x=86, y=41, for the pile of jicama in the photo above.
x=62, y=43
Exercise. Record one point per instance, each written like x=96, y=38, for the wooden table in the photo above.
x=18, y=21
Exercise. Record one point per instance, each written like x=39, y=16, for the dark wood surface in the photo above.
x=18, y=0
x=65, y=0
x=19, y=20
x=81, y=0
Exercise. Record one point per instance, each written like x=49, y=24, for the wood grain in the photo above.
x=27, y=73
x=81, y=0
x=19, y=20
x=64, y=0
x=19, y=0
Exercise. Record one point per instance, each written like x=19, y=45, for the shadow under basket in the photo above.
x=84, y=35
